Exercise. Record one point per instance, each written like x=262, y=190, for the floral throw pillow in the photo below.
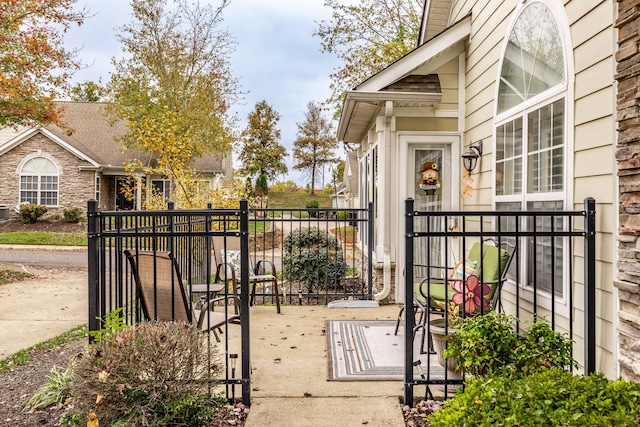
x=232, y=258
x=463, y=269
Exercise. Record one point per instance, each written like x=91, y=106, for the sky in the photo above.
x=277, y=58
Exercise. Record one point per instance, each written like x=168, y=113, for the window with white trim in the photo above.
x=530, y=134
x=162, y=187
x=39, y=182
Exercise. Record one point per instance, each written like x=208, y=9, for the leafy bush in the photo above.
x=550, y=397
x=73, y=215
x=313, y=257
x=488, y=345
x=342, y=215
x=30, y=212
x=153, y=374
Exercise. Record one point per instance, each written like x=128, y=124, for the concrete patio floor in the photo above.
x=289, y=382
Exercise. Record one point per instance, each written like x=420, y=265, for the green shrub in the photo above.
x=313, y=257
x=261, y=188
x=550, y=397
x=154, y=374
x=489, y=345
x=73, y=215
x=342, y=215
x=29, y=213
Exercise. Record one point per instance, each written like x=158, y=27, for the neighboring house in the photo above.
x=531, y=82
x=347, y=195
x=59, y=169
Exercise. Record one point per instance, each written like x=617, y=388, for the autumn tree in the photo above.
x=261, y=152
x=87, y=91
x=315, y=142
x=367, y=37
x=35, y=67
x=173, y=90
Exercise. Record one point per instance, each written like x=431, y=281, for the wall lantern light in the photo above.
x=470, y=157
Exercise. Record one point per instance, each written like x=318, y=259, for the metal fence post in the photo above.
x=92, y=265
x=244, y=301
x=590, y=285
x=409, y=317
x=370, y=232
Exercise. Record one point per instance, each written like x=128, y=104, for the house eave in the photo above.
x=360, y=109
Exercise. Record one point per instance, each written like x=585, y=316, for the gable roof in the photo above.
x=400, y=82
x=93, y=139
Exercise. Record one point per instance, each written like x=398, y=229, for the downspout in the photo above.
x=386, y=257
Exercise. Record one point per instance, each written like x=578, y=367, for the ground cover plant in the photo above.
x=11, y=276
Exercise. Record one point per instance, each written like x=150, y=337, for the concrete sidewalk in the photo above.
x=288, y=353
x=35, y=310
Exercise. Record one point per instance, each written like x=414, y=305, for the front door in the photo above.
x=431, y=181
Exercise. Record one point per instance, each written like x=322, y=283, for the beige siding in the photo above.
x=591, y=34
x=426, y=124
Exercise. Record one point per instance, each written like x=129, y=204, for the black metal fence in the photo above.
x=316, y=256
x=549, y=248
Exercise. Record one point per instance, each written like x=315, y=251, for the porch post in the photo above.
x=590, y=285
x=409, y=317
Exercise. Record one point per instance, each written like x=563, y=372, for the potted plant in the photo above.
x=469, y=295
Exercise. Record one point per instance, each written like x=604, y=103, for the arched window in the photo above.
x=39, y=182
x=531, y=124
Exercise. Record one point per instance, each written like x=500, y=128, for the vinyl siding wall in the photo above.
x=591, y=139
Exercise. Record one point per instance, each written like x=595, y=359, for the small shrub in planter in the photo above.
x=488, y=344
x=313, y=257
x=312, y=204
x=72, y=215
x=549, y=397
x=29, y=213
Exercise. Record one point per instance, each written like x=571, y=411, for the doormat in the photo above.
x=367, y=350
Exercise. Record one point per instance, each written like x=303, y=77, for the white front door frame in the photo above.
x=408, y=143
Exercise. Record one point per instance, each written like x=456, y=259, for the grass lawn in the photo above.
x=43, y=238
x=296, y=200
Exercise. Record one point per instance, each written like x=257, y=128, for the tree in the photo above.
x=173, y=90
x=35, y=67
x=367, y=37
x=313, y=148
x=87, y=91
x=262, y=153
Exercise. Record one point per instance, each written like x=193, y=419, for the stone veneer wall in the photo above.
x=628, y=161
x=75, y=186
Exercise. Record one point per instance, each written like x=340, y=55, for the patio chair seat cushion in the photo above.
x=437, y=291
x=490, y=268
